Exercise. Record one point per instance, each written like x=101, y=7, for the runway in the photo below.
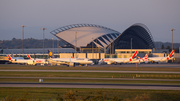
x=93, y=85
x=100, y=85
x=82, y=78
x=167, y=65
x=91, y=71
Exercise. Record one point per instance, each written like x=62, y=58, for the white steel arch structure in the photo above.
x=90, y=35
x=87, y=34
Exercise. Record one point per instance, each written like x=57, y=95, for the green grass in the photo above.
x=89, y=75
x=55, y=94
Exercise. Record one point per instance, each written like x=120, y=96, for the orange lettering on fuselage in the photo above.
x=106, y=59
x=38, y=61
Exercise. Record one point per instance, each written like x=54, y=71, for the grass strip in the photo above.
x=90, y=75
x=58, y=94
x=27, y=67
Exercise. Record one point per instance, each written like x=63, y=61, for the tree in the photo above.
x=162, y=46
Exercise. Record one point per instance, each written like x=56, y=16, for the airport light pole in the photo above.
x=22, y=39
x=172, y=37
x=113, y=47
x=75, y=43
x=110, y=47
x=92, y=49
x=172, y=40
x=96, y=48
x=131, y=46
x=58, y=45
x=53, y=45
x=43, y=41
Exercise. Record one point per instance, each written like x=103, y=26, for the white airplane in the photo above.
x=117, y=60
x=141, y=60
x=161, y=59
x=71, y=61
x=38, y=61
x=20, y=60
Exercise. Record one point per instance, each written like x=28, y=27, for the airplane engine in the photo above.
x=72, y=64
x=146, y=61
x=109, y=63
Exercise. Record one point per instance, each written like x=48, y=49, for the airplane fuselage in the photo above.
x=69, y=61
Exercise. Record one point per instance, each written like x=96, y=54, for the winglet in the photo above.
x=134, y=55
x=10, y=57
x=29, y=56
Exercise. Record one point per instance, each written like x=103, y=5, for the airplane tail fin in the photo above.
x=133, y=56
x=100, y=61
x=10, y=58
x=50, y=54
x=145, y=57
x=170, y=55
x=29, y=56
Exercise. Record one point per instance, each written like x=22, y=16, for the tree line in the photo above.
x=29, y=43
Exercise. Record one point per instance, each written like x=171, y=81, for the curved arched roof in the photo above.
x=141, y=38
x=86, y=34
x=103, y=37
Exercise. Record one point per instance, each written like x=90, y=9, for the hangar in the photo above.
x=81, y=36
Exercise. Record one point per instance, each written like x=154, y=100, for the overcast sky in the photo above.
x=158, y=15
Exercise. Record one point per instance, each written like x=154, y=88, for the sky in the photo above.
x=160, y=16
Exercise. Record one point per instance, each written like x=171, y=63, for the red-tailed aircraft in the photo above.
x=38, y=61
x=117, y=60
x=162, y=59
x=20, y=60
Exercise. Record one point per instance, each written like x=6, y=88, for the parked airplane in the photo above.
x=161, y=59
x=117, y=60
x=71, y=61
x=20, y=60
x=38, y=61
x=140, y=60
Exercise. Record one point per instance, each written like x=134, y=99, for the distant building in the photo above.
x=161, y=51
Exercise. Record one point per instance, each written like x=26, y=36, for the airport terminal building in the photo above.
x=97, y=38
x=98, y=42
